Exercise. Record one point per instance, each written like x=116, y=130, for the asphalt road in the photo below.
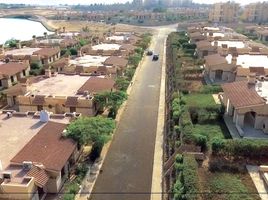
x=127, y=169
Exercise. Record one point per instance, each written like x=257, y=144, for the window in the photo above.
x=1, y=84
x=50, y=106
x=43, y=61
x=12, y=79
x=39, y=108
x=72, y=109
x=24, y=73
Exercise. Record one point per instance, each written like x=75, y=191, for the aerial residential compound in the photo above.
x=255, y=12
x=224, y=12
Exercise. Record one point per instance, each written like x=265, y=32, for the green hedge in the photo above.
x=240, y=148
x=190, y=179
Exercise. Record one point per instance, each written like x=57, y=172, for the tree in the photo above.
x=121, y=83
x=134, y=59
x=111, y=100
x=11, y=43
x=86, y=130
x=73, y=51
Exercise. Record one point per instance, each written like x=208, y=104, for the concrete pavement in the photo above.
x=127, y=169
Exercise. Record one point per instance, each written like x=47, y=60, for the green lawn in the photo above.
x=225, y=186
x=217, y=129
x=200, y=100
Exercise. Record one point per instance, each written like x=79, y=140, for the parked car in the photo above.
x=155, y=57
x=150, y=53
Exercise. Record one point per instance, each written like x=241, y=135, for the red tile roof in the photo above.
x=12, y=68
x=40, y=176
x=47, y=52
x=215, y=59
x=116, y=61
x=96, y=84
x=48, y=147
x=241, y=94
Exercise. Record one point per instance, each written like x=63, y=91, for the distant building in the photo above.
x=151, y=3
x=137, y=3
x=224, y=12
x=256, y=12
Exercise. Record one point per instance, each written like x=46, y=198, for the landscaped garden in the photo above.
x=198, y=120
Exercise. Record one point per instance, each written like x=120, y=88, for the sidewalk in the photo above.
x=156, y=191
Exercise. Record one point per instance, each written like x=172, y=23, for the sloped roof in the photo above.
x=116, y=61
x=242, y=94
x=12, y=68
x=96, y=84
x=40, y=176
x=47, y=52
x=215, y=59
x=48, y=147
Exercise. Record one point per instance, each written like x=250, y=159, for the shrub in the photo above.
x=178, y=190
x=96, y=150
x=73, y=51
x=68, y=197
x=72, y=188
x=201, y=141
x=190, y=177
x=241, y=148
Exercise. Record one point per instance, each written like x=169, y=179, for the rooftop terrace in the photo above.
x=22, y=51
x=89, y=61
x=60, y=85
x=106, y=47
x=248, y=60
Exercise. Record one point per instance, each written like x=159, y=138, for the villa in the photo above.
x=12, y=72
x=246, y=104
x=40, y=162
x=43, y=56
x=56, y=94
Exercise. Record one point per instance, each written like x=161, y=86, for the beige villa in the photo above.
x=59, y=93
x=43, y=56
x=12, y=73
x=41, y=166
x=218, y=69
x=246, y=103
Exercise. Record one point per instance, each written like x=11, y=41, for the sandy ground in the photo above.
x=94, y=26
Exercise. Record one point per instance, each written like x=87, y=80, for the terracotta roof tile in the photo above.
x=48, y=147
x=12, y=68
x=71, y=101
x=40, y=176
x=215, y=59
x=241, y=94
x=96, y=84
x=47, y=52
x=39, y=100
x=116, y=61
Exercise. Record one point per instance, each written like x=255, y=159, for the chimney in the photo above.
x=48, y=73
x=234, y=59
x=19, y=45
x=252, y=78
x=24, y=88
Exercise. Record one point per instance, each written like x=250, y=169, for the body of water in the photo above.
x=20, y=29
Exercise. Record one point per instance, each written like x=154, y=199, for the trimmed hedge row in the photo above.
x=187, y=185
x=190, y=178
x=240, y=148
